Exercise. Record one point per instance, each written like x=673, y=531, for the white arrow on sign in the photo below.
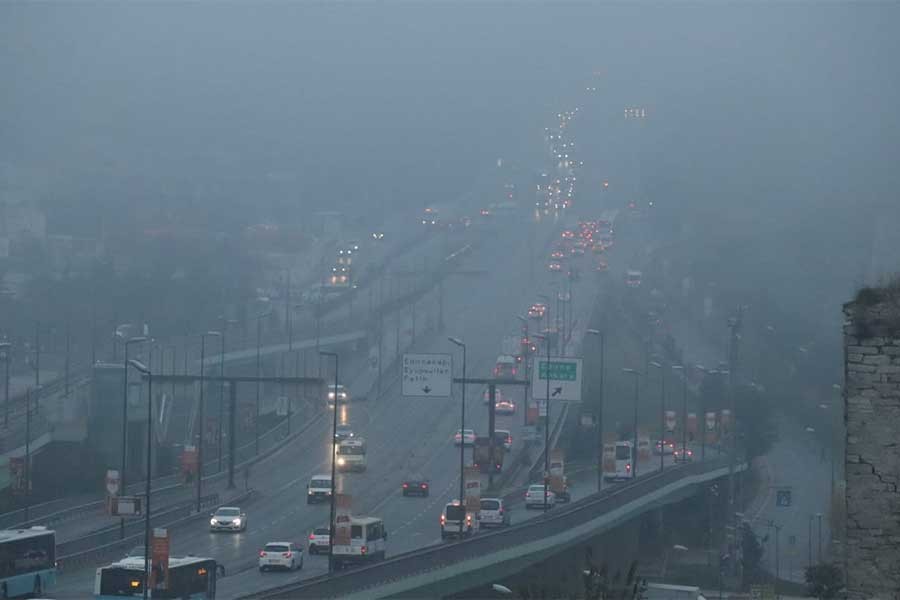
x=427, y=375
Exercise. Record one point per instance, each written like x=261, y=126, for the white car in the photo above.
x=280, y=555
x=228, y=518
x=534, y=497
x=466, y=437
x=505, y=407
x=493, y=513
x=319, y=489
x=319, y=540
x=343, y=394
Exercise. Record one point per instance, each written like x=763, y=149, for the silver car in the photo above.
x=228, y=518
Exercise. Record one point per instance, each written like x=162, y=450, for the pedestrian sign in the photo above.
x=783, y=498
x=563, y=374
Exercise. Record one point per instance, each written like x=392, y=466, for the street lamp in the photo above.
x=333, y=459
x=637, y=374
x=134, y=340
x=602, y=337
x=143, y=369
x=527, y=369
x=259, y=319
x=662, y=413
x=201, y=428
x=4, y=352
x=225, y=323
x=546, y=424
x=462, y=423
x=680, y=369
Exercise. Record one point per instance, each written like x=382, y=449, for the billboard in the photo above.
x=342, y=513
x=473, y=489
x=159, y=559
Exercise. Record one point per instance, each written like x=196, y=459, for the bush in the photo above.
x=823, y=580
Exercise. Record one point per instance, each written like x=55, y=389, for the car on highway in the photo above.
x=576, y=251
x=343, y=432
x=683, y=455
x=466, y=437
x=318, y=489
x=228, y=518
x=416, y=485
x=493, y=513
x=351, y=455
x=505, y=406
x=506, y=366
x=367, y=543
x=504, y=437
x=534, y=497
x=280, y=555
x=319, y=540
x=557, y=255
x=456, y=521
x=602, y=266
x=568, y=234
x=597, y=248
x=342, y=393
x=554, y=266
x=564, y=296
x=664, y=447
x=537, y=310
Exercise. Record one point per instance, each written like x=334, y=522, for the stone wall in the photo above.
x=872, y=417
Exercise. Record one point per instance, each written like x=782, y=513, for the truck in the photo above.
x=481, y=455
x=558, y=482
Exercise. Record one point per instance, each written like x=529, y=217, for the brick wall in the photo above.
x=872, y=417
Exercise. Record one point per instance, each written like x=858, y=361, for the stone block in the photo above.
x=862, y=368
x=877, y=359
x=855, y=358
x=873, y=341
x=862, y=349
x=891, y=350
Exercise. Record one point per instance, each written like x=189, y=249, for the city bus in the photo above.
x=27, y=561
x=190, y=577
x=351, y=455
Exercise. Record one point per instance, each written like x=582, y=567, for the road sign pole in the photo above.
x=492, y=397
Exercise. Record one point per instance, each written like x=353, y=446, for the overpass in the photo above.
x=448, y=568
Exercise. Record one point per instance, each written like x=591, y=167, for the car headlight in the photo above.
x=341, y=461
x=237, y=521
x=310, y=492
x=213, y=522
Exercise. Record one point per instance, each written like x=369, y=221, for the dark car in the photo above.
x=416, y=485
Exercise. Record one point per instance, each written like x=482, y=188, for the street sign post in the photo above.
x=428, y=375
x=565, y=378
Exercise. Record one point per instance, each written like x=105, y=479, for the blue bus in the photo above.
x=27, y=561
x=190, y=577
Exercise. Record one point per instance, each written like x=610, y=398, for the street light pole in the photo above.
x=5, y=348
x=462, y=424
x=143, y=369
x=683, y=372
x=662, y=414
x=547, y=404
x=136, y=340
x=259, y=319
x=202, y=426
x=636, y=373
x=225, y=323
x=331, y=527
x=602, y=337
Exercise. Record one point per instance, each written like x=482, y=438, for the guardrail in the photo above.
x=530, y=537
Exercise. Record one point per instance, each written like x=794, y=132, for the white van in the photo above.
x=624, y=462
x=318, y=489
x=367, y=542
x=351, y=455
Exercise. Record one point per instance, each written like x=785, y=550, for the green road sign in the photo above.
x=559, y=371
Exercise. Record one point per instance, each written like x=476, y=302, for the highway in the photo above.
x=403, y=434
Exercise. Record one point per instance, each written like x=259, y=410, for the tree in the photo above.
x=823, y=580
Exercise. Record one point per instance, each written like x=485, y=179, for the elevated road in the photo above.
x=444, y=569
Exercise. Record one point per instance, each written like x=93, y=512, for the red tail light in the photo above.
x=628, y=467
x=364, y=549
x=287, y=554
x=312, y=536
x=405, y=485
x=424, y=486
x=262, y=553
x=443, y=519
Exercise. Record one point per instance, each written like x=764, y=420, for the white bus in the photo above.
x=189, y=577
x=367, y=542
x=27, y=561
x=351, y=455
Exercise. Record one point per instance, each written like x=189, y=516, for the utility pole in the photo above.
x=734, y=325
